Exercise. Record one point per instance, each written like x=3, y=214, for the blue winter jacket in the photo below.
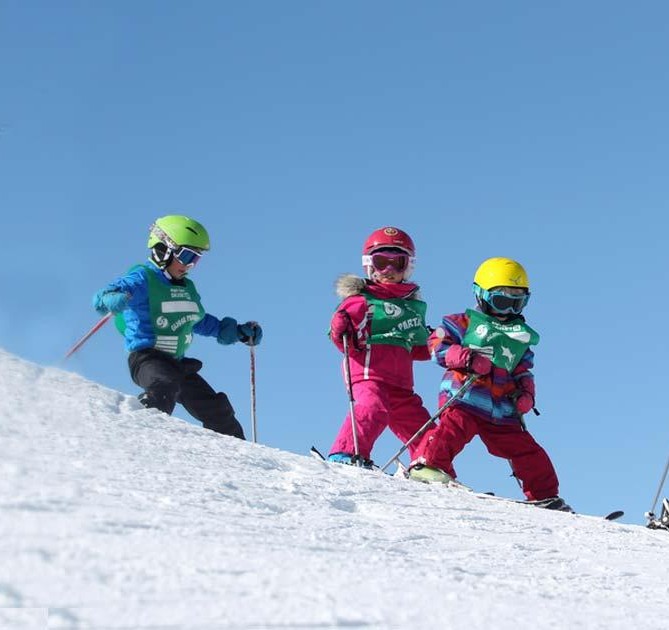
x=139, y=332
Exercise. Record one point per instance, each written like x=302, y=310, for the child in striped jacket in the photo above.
x=492, y=343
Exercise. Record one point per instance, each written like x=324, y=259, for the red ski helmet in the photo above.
x=389, y=237
x=384, y=238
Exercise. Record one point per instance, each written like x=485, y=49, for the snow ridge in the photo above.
x=113, y=516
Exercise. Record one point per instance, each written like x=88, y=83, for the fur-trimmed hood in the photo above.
x=349, y=284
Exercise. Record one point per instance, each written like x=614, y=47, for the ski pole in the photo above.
x=253, y=392
x=523, y=427
x=87, y=336
x=463, y=388
x=650, y=513
x=351, y=401
x=513, y=474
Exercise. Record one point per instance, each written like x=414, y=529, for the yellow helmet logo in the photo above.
x=501, y=272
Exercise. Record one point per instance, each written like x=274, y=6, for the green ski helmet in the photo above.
x=170, y=235
x=176, y=230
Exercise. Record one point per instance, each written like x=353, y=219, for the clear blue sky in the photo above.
x=293, y=129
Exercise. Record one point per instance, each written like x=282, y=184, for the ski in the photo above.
x=611, y=516
x=614, y=516
x=402, y=472
x=557, y=503
x=316, y=454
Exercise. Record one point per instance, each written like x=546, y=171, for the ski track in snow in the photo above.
x=113, y=516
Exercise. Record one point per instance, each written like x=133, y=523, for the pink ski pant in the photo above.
x=529, y=462
x=378, y=406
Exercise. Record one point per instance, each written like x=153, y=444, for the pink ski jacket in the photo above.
x=374, y=360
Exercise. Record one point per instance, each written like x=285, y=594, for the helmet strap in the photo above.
x=161, y=255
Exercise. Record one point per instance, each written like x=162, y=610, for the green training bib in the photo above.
x=503, y=343
x=397, y=322
x=174, y=310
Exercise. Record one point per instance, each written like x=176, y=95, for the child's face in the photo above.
x=177, y=269
x=183, y=260
x=389, y=265
x=388, y=276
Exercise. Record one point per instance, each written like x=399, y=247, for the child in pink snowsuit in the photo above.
x=383, y=320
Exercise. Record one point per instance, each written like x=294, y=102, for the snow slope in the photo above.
x=112, y=516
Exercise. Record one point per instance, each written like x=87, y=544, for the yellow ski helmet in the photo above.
x=501, y=272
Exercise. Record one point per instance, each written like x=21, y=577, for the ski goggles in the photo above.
x=188, y=256
x=503, y=302
x=383, y=260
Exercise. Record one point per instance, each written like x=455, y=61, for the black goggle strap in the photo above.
x=161, y=255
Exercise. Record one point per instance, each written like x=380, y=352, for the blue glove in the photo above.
x=249, y=333
x=227, y=331
x=107, y=301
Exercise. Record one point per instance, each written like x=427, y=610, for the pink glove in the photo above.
x=462, y=358
x=524, y=403
x=341, y=326
x=479, y=364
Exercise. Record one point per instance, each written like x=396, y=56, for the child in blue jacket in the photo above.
x=158, y=310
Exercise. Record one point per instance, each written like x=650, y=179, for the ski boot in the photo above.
x=659, y=523
x=157, y=399
x=429, y=474
x=553, y=503
x=351, y=460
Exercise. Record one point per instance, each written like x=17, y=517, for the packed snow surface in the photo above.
x=113, y=516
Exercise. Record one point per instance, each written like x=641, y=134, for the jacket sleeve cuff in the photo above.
x=227, y=331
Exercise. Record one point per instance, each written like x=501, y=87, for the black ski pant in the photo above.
x=167, y=381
